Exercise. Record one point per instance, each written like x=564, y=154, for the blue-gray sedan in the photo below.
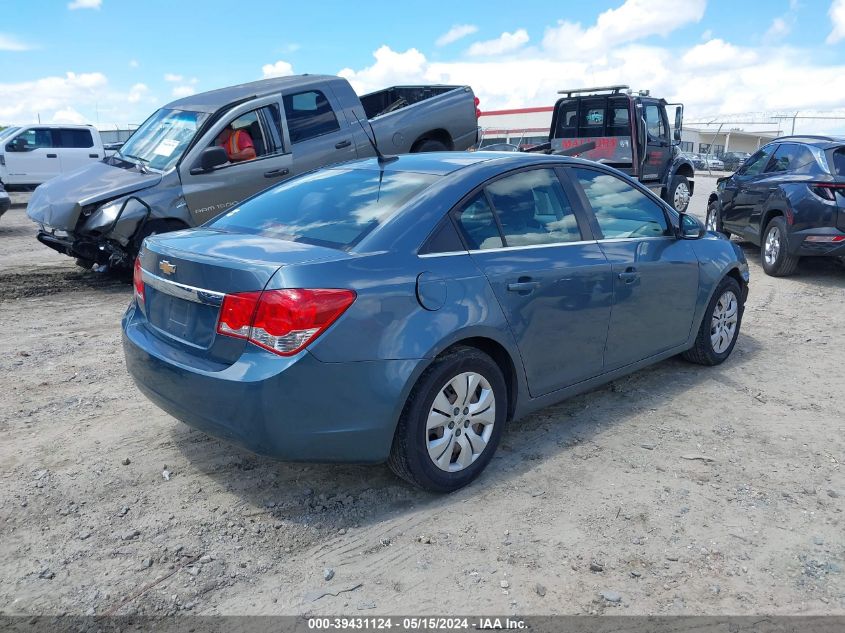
x=406, y=310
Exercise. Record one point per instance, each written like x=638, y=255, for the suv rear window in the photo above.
x=332, y=207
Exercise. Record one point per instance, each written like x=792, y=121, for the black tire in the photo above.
x=703, y=352
x=87, y=264
x=715, y=212
x=674, y=184
x=783, y=264
x=409, y=458
x=429, y=145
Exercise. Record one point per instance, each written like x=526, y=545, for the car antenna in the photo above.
x=382, y=159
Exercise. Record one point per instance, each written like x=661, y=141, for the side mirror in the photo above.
x=679, y=122
x=210, y=158
x=690, y=227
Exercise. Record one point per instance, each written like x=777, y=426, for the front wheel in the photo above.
x=452, y=422
x=679, y=193
x=720, y=326
x=714, y=219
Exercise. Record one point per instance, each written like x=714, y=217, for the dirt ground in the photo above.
x=677, y=490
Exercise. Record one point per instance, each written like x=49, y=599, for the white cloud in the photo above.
x=69, y=115
x=505, y=43
x=85, y=4
x=455, y=33
x=632, y=21
x=277, y=69
x=779, y=28
x=718, y=53
x=23, y=102
x=390, y=68
x=837, y=18
x=137, y=92
x=173, y=78
x=13, y=44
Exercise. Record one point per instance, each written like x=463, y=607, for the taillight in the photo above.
x=282, y=321
x=477, y=109
x=138, y=281
x=827, y=191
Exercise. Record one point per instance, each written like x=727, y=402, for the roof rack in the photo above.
x=811, y=137
x=611, y=89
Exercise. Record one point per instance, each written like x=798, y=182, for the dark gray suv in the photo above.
x=788, y=198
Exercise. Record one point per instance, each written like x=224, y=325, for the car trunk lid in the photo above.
x=187, y=274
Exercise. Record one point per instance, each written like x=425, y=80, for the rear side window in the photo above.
x=622, y=211
x=479, y=225
x=309, y=114
x=72, y=138
x=533, y=209
x=333, y=207
x=792, y=157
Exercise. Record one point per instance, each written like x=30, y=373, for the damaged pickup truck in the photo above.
x=174, y=171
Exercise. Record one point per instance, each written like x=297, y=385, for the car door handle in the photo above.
x=523, y=285
x=343, y=144
x=276, y=173
x=52, y=155
x=629, y=276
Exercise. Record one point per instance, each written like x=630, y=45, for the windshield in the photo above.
x=331, y=207
x=4, y=134
x=161, y=139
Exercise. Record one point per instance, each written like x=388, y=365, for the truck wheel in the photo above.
x=720, y=326
x=451, y=423
x=714, y=219
x=429, y=145
x=776, y=261
x=679, y=194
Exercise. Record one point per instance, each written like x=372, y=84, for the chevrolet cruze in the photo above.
x=406, y=309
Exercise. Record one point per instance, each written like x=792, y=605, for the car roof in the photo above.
x=821, y=141
x=443, y=163
x=213, y=100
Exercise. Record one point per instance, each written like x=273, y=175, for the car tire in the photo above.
x=418, y=442
x=774, y=257
x=429, y=145
x=714, y=219
x=720, y=325
x=679, y=193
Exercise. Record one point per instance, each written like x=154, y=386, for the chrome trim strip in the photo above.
x=183, y=291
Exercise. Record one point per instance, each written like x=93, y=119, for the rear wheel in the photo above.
x=714, y=219
x=452, y=422
x=679, y=193
x=776, y=261
x=720, y=326
x=429, y=145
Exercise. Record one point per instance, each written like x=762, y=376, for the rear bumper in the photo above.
x=800, y=246
x=293, y=409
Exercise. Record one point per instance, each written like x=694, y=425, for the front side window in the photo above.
x=757, y=163
x=162, y=139
x=332, y=207
x=622, y=211
x=36, y=138
x=533, y=209
x=654, y=122
x=308, y=115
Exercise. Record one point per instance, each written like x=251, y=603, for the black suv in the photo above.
x=788, y=198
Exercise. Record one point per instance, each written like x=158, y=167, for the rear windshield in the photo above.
x=331, y=207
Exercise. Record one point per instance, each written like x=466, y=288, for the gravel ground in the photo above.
x=677, y=490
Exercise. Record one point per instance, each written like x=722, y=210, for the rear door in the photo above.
x=317, y=134
x=655, y=275
x=210, y=193
x=76, y=147
x=32, y=156
x=551, y=279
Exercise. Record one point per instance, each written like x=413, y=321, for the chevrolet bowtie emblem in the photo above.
x=166, y=267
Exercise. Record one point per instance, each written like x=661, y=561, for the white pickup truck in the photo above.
x=33, y=154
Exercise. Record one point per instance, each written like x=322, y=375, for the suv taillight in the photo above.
x=282, y=321
x=138, y=281
x=477, y=109
x=827, y=190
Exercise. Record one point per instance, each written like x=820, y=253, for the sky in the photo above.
x=113, y=62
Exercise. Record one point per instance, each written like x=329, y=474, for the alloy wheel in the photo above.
x=771, y=249
x=681, y=198
x=711, y=223
x=724, y=321
x=460, y=421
